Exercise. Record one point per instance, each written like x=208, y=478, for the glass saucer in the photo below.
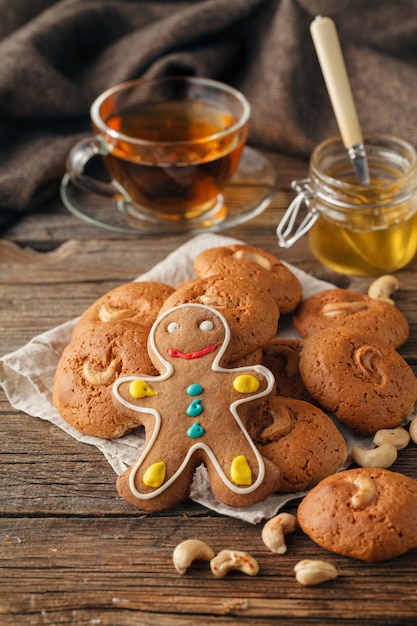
x=248, y=194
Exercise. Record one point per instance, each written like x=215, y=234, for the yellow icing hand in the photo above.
x=141, y=389
x=155, y=475
x=240, y=471
x=246, y=383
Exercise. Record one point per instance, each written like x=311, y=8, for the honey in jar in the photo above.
x=355, y=229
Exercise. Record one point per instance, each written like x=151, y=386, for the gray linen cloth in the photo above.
x=56, y=57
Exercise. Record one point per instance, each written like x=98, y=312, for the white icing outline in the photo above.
x=260, y=369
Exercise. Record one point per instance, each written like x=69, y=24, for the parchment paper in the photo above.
x=27, y=376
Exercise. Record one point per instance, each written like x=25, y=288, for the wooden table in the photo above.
x=72, y=551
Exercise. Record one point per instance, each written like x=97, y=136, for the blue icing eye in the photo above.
x=194, y=390
x=195, y=408
x=195, y=431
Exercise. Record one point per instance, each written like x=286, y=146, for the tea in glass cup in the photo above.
x=169, y=144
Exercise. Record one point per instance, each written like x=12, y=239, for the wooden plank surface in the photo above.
x=72, y=552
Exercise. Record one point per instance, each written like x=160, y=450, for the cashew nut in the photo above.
x=364, y=357
x=108, y=313
x=280, y=426
x=188, y=551
x=274, y=530
x=413, y=430
x=246, y=255
x=383, y=287
x=219, y=302
x=331, y=309
x=291, y=359
x=100, y=377
x=228, y=560
x=292, y=356
x=383, y=456
x=365, y=491
x=399, y=437
x=309, y=572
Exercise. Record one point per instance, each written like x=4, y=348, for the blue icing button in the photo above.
x=195, y=408
x=195, y=431
x=194, y=390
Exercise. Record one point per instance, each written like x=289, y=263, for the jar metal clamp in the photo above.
x=288, y=232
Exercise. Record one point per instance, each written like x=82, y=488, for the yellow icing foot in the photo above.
x=240, y=471
x=155, y=475
x=246, y=383
x=140, y=389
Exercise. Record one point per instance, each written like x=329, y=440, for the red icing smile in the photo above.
x=192, y=355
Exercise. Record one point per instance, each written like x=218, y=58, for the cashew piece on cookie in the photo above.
x=308, y=572
x=383, y=456
x=366, y=359
x=228, y=560
x=274, y=530
x=383, y=287
x=216, y=301
x=108, y=313
x=247, y=255
x=332, y=309
x=188, y=551
x=365, y=490
x=100, y=377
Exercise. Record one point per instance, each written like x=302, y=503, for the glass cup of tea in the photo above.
x=170, y=145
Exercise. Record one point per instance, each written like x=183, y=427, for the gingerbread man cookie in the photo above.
x=194, y=412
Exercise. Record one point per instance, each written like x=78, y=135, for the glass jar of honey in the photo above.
x=356, y=229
